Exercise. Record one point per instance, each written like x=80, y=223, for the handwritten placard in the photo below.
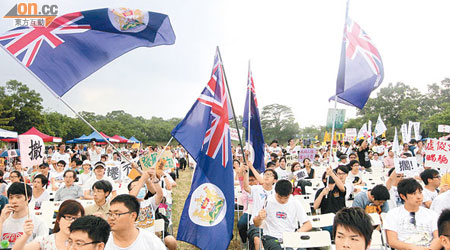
x=437, y=153
x=407, y=166
x=306, y=153
x=149, y=161
x=32, y=150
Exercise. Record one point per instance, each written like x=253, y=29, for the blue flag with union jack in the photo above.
x=76, y=45
x=360, y=69
x=256, y=135
x=208, y=214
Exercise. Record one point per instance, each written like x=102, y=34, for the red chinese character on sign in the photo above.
x=431, y=157
x=441, y=146
x=429, y=145
x=442, y=159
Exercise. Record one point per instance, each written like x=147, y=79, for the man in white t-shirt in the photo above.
x=259, y=195
x=61, y=155
x=441, y=202
x=15, y=213
x=99, y=174
x=282, y=213
x=432, y=181
x=411, y=226
x=274, y=148
x=94, y=152
x=122, y=215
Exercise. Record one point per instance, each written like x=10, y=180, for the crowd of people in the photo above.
x=413, y=207
x=122, y=211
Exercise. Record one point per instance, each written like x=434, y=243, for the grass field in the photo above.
x=179, y=196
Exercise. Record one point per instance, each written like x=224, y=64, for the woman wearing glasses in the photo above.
x=69, y=211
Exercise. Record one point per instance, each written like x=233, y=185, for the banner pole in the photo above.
x=67, y=105
x=231, y=103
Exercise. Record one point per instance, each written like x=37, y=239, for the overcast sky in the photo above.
x=294, y=48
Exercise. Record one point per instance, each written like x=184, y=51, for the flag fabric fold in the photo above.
x=256, y=135
x=75, y=45
x=362, y=131
x=208, y=214
x=360, y=68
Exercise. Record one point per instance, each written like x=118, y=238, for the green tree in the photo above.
x=4, y=120
x=440, y=118
x=23, y=104
x=278, y=122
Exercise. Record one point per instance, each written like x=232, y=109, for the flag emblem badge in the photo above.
x=128, y=20
x=208, y=205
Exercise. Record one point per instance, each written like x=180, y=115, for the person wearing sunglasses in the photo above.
x=69, y=211
x=411, y=226
x=88, y=233
x=122, y=215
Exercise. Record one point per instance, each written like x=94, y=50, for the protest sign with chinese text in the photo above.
x=32, y=150
x=113, y=170
x=444, y=128
x=306, y=153
x=234, y=134
x=407, y=166
x=290, y=159
x=437, y=153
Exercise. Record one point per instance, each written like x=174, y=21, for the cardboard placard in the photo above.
x=306, y=153
x=407, y=166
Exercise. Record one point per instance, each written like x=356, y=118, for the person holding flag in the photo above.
x=205, y=134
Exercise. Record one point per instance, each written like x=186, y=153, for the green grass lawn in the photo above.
x=179, y=195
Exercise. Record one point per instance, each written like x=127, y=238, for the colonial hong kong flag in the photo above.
x=76, y=45
x=207, y=218
x=360, y=69
x=256, y=135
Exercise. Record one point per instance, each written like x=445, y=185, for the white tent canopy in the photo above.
x=7, y=134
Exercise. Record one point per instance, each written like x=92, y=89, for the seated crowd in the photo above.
x=100, y=208
x=356, y=184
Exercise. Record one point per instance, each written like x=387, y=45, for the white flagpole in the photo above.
x=67, y=105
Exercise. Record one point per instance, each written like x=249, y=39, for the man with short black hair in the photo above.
x=101, y=189
x=259, y=194
x=69, y=191
x=411, y=226
x=374, y=200
x=122, y=215
x=15, y=213
x=88, y=231
x=352, y=229
x=61, y=155
x=432, y=181
x=363, y=155
x=282, y=213
x=444, y=229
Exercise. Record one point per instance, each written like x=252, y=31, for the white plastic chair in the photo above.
x=376, y=243
x=306, y=239
x=376, y=220
x=159, y=227
x=322, y=220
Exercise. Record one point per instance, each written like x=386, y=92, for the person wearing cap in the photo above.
x=99, y=174
x=87, y=173
x=343, y=159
